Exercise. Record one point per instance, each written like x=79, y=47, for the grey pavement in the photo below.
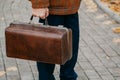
x=99, y=52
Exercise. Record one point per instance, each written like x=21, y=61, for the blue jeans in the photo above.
x=67, y=70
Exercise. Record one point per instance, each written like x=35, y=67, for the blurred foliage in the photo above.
x=114, y=5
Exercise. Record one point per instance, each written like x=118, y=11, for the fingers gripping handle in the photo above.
x=31, y=18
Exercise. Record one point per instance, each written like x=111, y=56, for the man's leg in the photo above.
x=67, y=70
x=46, y=70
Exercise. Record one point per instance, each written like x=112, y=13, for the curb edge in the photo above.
x=108, y=11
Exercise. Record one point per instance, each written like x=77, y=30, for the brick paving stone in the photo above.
x=116, y=59
x=2, y=69
x=107, y=77
x=117, y=78
x=24, y=14
x=81, y=57
x=115, y=47
x=87, y=52
x=34, y=72
x=3, y=49
x=80, y=72
x=96, y=79
x=12, y=72
x=86, y=65
x=100, y=55
x=95, y=62
x=25, y=70
x=115, y=71
x=96, y=49
x=2, y=22
x=108, y=50
x=82, y=43
x=7, y=12
x=101, y=70
x=92, y=74
x=107, y=62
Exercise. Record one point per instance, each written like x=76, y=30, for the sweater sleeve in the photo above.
x=40, y=3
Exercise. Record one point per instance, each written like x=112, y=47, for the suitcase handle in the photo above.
x=31, y=18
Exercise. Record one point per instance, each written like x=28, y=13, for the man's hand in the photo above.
x=40, y=12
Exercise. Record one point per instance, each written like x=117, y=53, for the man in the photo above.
x=59, y=12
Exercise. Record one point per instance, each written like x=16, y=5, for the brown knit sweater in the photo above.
x=58, y=7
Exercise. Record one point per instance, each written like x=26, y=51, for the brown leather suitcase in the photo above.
x=39, y=43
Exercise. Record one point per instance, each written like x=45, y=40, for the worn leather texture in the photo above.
x=38, y=43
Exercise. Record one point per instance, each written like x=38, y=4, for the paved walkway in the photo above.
x=99, y=52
